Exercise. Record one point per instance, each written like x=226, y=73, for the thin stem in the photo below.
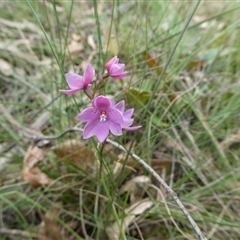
x=95, y=6
x=98, y=154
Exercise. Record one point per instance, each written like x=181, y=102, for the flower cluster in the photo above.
x=104, y=115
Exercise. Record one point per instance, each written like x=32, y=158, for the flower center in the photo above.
x=103, y=116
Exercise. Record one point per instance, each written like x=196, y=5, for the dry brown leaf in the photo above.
x=113, y=231
x=32, y=173
x=76, y=152
x=33, y=156
x=36, y=177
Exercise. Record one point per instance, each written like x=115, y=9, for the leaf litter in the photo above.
x=31, y=172
x=76, y=152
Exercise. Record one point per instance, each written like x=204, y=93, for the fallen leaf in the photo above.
x=76, y=152
x=36, y=177
x=33, y=156
x=32, y=173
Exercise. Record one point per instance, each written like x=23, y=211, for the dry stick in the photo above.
x=168, y=189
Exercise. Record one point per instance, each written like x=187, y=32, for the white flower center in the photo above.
x=103, y=116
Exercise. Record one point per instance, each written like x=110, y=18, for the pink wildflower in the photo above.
x=101, y=118
x=115, y=69
x=77, y=82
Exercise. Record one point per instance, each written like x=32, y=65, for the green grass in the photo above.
x=190, y=117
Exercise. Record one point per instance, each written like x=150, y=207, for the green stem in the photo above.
x=98, y=155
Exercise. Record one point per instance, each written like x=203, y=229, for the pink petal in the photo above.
x=88, y=75
x=97, y=128
x=70, y=92
x=89, y=114
x=102, y=131
x=74, y=80
x=117, y=69
x=89, y=129
x=111, y=62
x=102, y=103
x=127, y=122
x=120, y=106
x=115, y=115
x=132, y=128
x=128, y=113
x=119, y=76
x=115, y=128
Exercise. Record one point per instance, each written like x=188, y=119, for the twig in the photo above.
x=45, y=140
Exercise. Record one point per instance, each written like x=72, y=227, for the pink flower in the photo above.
x=77, y=82
x=101, y=118
x=127, y=120
x=105, y=117
x=115, y=69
